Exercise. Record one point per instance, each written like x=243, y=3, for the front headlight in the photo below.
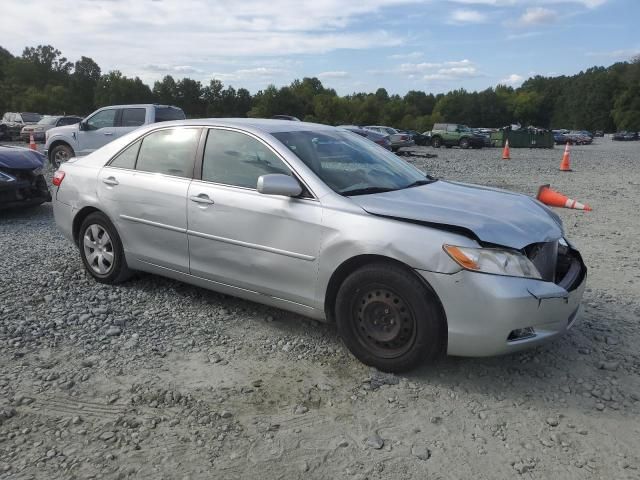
x=38, y=129
x=493, y=260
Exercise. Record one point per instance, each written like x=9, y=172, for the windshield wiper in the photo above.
x=418, y=183
x=366, y=191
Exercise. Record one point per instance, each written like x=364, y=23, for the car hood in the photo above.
x=18, y=158
x=492, y=215
x=64, y=130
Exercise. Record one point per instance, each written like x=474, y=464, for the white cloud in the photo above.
x=512, y=3
x=335, y=74
x=264, y=73
x=467, y=16
x=406, y=56
x=621, y=54
x=412, y=68
x=514, y=79
x=538, y=15
x=126, y=34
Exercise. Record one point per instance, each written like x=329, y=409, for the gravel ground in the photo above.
x=157, y=379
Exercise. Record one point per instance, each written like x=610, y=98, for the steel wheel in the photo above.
x=98, y=249
x=385, y=323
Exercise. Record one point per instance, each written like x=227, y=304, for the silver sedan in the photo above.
x=319, y=221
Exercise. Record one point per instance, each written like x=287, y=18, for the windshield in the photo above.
x=30, y=117
x=48, y=120
x=350, y=164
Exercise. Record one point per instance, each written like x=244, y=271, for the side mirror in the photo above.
x=279, y=184
x=83, y=126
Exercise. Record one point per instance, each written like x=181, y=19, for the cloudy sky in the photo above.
x=431, y=45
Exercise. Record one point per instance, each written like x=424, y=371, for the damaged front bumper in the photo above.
x=492, y=314
x=22, y=188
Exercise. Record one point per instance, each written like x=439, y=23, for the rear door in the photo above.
x=101, y=129
x=130, y=119
x=144, y=191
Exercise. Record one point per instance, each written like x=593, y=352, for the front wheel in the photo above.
x=464, y=143
x=101, y=250
x=389, y=319
x=436, y=142
x=60, y=154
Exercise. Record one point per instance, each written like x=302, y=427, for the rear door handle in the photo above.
x=110, y=181
x=201, y=198
x=108, y=133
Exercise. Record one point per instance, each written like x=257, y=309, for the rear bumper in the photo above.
x=37, y=136
x=482, y=310
x=406, y=143
x=63, y=215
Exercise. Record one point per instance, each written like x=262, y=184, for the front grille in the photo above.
x=544, y=256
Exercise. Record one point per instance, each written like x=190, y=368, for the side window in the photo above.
x=103, y=119
x=171, y=152
x=451, y=128
x=233, y=158
x=67, y=121
x=133, y=117
x=127, y=158
x=17, y=118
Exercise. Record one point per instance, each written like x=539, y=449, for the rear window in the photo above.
x=69, y=121
x=165, y=114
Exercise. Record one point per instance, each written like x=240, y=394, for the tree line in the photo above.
x=600, y=98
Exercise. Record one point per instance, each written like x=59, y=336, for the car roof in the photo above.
x=262, y=124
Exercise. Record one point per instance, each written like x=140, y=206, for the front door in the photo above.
x=144, y=191
x=101, y=129
x=237, y=236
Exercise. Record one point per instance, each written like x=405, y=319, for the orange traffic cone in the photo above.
x=555, y=199
x=565, y=165
x=32, y=142
x=506, y=154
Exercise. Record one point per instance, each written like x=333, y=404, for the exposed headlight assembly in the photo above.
x=493, y=260
x=6, y=178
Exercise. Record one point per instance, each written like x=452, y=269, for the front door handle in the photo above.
x=108, y=133
x=110, y=181
x=201, y=198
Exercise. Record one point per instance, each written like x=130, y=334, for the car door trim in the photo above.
x=264, y=248
x=226, y=285
x=153, y=224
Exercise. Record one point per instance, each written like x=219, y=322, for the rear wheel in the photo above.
x=436, y=142
x=388, y=319
x=464, y=143
x=101, y=250
x=60, y=154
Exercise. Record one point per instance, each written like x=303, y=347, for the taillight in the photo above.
x=57, y=178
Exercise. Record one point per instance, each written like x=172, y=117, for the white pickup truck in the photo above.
x=101, y=127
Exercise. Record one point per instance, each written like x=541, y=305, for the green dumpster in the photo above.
x=524, y=138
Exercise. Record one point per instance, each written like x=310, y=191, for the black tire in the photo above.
x=436, y=142
x=464, y=143
x=117, y=270
x=388, y=318
x=59, y=154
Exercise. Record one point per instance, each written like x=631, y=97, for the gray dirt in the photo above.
x=157, y=379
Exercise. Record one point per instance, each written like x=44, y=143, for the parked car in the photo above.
x=21, y=181
x=486, y=136
x=46, y=123
x=12, y=123
x=319, y=221
x=382, y=140
x=598, y=133
x=101, y=127
x=454, y=134
x=580, y=138
x=398, y=140
x=625, y=136
x=418, y=138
